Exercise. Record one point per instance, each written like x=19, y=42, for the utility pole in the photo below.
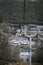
x=30, y=51
x=29, y=36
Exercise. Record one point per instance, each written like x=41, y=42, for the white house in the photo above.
x=24, y=56
x=14, y=42
x=18, y=40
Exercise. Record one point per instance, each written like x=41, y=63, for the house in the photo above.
x=29, y=30
x=24, y=56
x=40, y=35
x=14, y=42
x=18, y=40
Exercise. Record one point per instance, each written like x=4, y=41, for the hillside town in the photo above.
x=23, y=41
x=21, y=32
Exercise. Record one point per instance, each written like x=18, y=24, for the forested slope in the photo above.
x=13, y=11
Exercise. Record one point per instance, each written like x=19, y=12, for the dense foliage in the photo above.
x=7, y=51
x=13, y=11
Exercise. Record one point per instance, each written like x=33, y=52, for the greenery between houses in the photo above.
x=19, y=63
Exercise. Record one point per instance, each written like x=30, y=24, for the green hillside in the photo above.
x=13, y=11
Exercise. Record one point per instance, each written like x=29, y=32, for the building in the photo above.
x=24, y=56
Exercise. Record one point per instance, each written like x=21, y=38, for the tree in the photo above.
x=12, y=11
x=3, y=46
x=7, y=52
x=14, y=53
x=39, y=53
